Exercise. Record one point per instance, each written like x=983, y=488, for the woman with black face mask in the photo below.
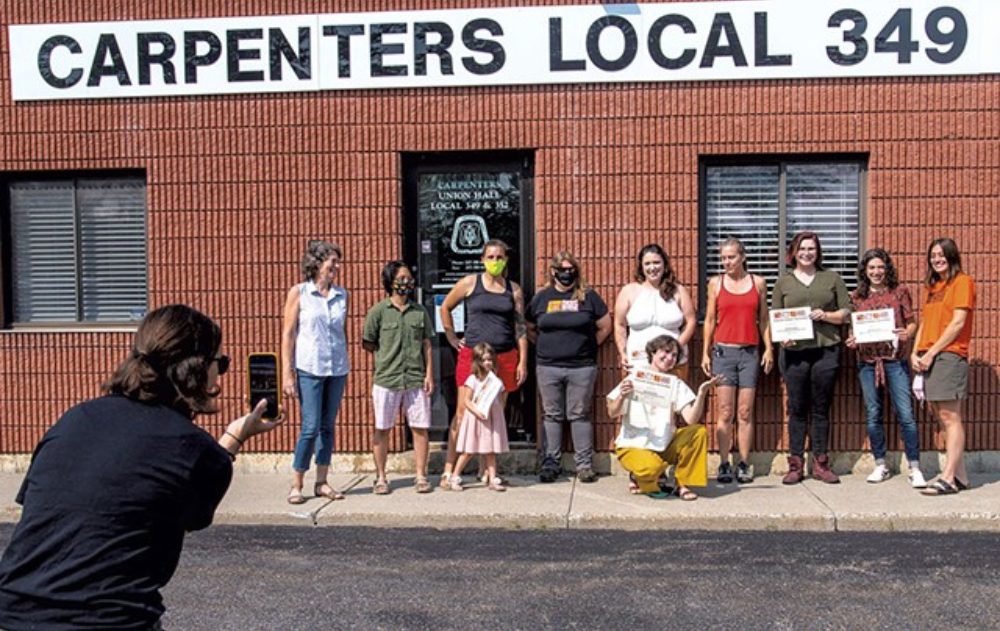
x=568, y=321
x=398, y=332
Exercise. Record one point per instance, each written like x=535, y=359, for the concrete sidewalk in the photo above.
x=259, y=498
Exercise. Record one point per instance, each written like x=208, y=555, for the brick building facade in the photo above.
x=236, y=184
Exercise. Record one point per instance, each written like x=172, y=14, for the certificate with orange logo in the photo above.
x=788, y=325
x=874, y=326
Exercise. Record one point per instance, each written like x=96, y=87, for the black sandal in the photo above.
x=941, y=487
x=962, y=486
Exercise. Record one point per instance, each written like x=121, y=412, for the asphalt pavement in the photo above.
x=765, y=504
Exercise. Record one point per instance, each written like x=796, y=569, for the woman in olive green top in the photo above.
x=810, y=366
x=398, y=333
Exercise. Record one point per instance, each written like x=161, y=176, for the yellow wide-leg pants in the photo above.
x=688, y=451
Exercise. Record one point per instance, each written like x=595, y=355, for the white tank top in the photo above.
x=651, y=316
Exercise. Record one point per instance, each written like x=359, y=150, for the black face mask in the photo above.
x=566, y=277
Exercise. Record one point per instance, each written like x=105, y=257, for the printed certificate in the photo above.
x=791, y=324
x=482, y=399
x=652, y=390
x=874, y=326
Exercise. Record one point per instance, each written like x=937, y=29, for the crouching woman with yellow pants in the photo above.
x=649, y=440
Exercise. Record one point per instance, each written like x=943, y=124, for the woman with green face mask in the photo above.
x=494, y=308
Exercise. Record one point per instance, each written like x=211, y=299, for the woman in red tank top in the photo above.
x=735, y=324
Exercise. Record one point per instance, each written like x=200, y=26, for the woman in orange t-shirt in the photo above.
x=942, y=355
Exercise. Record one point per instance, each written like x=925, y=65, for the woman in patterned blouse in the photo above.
x=883, y=365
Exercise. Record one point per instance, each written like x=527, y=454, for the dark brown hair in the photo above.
x=173, y=349
x=864, y=284
x=661, y=342
x=668, y=282
x=950, y=251
x=793, y=248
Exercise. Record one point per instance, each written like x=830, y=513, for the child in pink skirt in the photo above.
x=482, y=431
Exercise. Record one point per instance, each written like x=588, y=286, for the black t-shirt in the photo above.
x=567, y=328
x=112, y=488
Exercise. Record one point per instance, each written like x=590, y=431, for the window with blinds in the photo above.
x=78, y=250
x=764, y=205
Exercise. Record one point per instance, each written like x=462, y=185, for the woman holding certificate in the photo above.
x=809, y=304
x=882, y=357
x=735, y=324
x=650, y=402
x=942, y=355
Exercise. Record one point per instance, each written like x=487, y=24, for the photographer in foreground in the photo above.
x=116, y=483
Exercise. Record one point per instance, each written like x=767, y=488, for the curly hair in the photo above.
x=173, y=349
x=317, y=252
x=668, y=282
x=891, y=278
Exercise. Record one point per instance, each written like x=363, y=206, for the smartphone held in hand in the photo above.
x=264, y=382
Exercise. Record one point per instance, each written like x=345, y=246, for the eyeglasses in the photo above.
x=223, y=361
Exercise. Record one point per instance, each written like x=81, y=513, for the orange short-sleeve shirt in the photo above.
x=940, y=302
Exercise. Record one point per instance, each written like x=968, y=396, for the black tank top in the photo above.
x=490, y=317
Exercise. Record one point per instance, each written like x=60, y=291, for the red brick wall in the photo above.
x=237, y=184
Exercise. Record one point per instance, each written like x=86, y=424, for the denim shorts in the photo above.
x=738, y=365
x=948, y=378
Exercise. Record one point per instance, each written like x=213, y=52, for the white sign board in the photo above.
x=597, y=43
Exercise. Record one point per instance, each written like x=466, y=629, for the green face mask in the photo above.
x=495, y=268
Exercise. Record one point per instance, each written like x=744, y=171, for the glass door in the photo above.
x=454, y=204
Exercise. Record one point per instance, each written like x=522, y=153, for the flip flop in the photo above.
x=940, y=487
x=657, y=495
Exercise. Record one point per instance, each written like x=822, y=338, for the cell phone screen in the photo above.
x=262, y=371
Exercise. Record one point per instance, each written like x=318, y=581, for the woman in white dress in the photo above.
x=655, y=304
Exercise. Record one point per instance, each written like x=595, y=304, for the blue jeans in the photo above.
x=897, y=382
x=319, y=400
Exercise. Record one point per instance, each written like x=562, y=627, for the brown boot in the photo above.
x=822, y=472
x=795, y=471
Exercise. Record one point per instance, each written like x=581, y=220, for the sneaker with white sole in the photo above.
x=917, y=480
x=880, y=474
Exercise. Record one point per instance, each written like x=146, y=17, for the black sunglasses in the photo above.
x=223, y=361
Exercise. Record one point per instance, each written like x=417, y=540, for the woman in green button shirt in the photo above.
x=398, y=333
x=810, y=366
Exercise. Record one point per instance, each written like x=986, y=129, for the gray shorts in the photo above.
x=948, y=378
x=738, y=365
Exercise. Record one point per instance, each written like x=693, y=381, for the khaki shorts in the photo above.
x=948, y=378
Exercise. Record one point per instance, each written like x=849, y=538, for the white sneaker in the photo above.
x=880, y=474
x=917, y=480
